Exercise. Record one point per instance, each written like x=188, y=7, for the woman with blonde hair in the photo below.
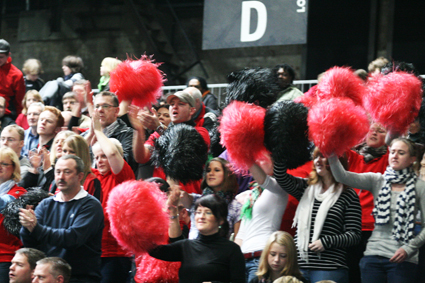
x=10, y=174
x=30, y=97
x=106, y=67
x=279, y=258
x=77, y=145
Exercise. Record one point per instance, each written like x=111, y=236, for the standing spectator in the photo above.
x=4, y=120
x=32, y=70
x=204, y=116
x=10, y=174
x=68, y=225
x=53, y=270
x=111, y=171
x=31, y=135
x=285, y=75
x=23, y=265
x=12, y=86
x=53, y=91
x=30, y=97
x=106, y=67
x=209, y=99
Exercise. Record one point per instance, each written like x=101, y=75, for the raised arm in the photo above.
x=141, y=152
x=116, y=161
x=293, y=185
x=174, y=231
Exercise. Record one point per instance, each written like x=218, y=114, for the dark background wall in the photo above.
x=348, y=32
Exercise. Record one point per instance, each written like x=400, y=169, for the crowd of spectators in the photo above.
x=78, y=146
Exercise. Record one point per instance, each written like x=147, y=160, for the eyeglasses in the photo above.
x=3, y=139
x=104, y=106
x=3, y=164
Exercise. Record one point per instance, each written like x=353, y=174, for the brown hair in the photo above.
x=36, y=94
x=230, y=182
x=75, y=63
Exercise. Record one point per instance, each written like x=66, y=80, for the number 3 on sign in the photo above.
x=301, y=5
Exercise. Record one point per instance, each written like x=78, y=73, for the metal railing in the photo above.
x=220, y=89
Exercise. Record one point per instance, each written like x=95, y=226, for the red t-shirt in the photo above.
x=192, y=187
x=357, y=164
x=110, y=246
x=288, y=217
x=8, y=242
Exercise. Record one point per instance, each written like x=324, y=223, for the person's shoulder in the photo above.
x=420, y=186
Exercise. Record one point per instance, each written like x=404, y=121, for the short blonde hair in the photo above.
x=110, y=64
x=33, y=92
x=32, y=67
x=53, y=153
x=8, y=152
x=117, y=144
x=288, y=279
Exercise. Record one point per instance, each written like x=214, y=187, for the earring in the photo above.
x=219, y=227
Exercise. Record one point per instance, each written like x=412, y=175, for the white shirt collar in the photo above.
x=81, y=194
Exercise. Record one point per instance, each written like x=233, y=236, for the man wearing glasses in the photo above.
x=13, y=136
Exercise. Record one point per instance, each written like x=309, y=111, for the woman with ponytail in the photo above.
x=391, y=252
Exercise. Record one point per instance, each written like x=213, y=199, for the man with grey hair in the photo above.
x=52, y=270
x=204, y=116
x=23, y=265
x=31, y=135
x=68, y=225
x=73, y=103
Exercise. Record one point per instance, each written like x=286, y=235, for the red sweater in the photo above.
x=12, y=86
x=8, y=242
x=22, y=121
x=358, y=165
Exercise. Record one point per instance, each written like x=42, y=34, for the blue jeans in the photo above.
x=251, y=267
x=377, y=269
x=314, y=275
x=115, y=269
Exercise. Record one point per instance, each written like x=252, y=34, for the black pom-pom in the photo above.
x=258, y=86
x=286, y=133
x=181, y=152
x=11, y=211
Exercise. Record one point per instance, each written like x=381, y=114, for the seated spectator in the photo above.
x=30, y=97
x=49, y=124
x=52, y=270
x=53, y=91
x=112, y=170
x=72, y=102
x=10, y=174
x=31, y=135
x=80, y=89
x=209, y=99
x=285, y=75
x=23, y=265
x=32, y=70
x=106, y=67
x=68, y=225
x=13, y=136
x=4, y=120
x=12, y=86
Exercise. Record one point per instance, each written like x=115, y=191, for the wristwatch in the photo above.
x=161, y=129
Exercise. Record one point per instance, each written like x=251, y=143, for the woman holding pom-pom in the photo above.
x=210, y=257
x=391, y=252
x=328, y=220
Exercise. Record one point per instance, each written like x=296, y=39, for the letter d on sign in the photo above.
x=246, y=20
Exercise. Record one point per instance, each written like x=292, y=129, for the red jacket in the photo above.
x=357, y=164
x=8, y=242
x=12, y=86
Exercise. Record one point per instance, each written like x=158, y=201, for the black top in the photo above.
x=206, y=259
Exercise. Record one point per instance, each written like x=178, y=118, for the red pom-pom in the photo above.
x=242, y=133
x=139, y=81
x=394, y=100
x=341, y=82
x=336, y=125
x=137, y=214
x=309, y=99
x=150, y=270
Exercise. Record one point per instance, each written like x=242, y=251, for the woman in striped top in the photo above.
x=392, y=251
x=328, y=220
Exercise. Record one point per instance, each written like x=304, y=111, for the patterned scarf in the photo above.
x=256, y=190
x=404, y=220
x=227, y=196
x=6, y=186
x=371, y=153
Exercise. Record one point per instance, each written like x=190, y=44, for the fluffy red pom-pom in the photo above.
x=341, y=82
x=150, y=270
x=139, y=81
x=242, y=133
x=309, y=99
x=336, y=125
x=394, y=100
x=137, y=214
